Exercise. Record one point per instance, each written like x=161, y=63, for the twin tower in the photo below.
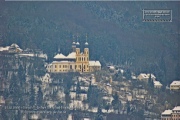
x=82, y=58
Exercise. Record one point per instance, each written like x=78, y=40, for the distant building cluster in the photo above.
x=173, y=114
x=14, y=48
x=145, y=77
x=76, y=61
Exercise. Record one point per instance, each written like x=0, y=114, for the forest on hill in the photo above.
x=116, y=32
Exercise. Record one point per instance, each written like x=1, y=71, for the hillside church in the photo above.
x=76, y=61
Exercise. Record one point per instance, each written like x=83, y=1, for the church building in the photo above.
x=76, y=61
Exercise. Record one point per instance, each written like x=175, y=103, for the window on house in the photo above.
x=55, y=66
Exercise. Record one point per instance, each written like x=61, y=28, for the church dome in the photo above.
x=73, y=43
x=86, y=43
x=77, y=43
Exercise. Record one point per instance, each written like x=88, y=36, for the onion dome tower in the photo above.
x=73, y=45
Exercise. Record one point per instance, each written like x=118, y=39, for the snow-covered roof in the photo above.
x=86, y=119
x=46, y=78
x=94, y=63
x=176, y=108
x=110, y=98
x=167, y=112
x=152, y=76
x=35, y=117
x=77, y=43
x=111, y=67
x=72, y=55
x=144, y=75
x=4, y=48
x=108, y=84
x=175, y=83
x=157, y=83
x=86, y=43
x=84, y=88
x=133, y=77
x=65, y=61
x=93, y=109
x=14, y=45
x=72, y=94
x=60, y=56
x=32, y=55
x=122, y=71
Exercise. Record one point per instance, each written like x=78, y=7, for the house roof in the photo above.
x=152, y=76
x=94, y=63
x=167, y=112
x=144, y=75
x=4, y=48
x=157, y=83
x=175, y=83
x=14, y=45
x=60, y=56
x=32, y=55
x=177, y=108
x=72, y=55
x=62, y=62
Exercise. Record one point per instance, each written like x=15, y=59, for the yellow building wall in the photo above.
x=174, y=87
x=82, y=60
x=63, y=67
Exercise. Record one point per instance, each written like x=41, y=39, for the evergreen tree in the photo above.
x=40, y=97
x=89, y=93
x=128, y=107
x=99, y=115
x=4, y=114
x=78, y=88
x=15, y=90
x=127, y=74
x=149, y=81
x=21, y=75
x=94, y=96
x=116, y=103
x=32, y=96
x=67, y=97
x=107, y=107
